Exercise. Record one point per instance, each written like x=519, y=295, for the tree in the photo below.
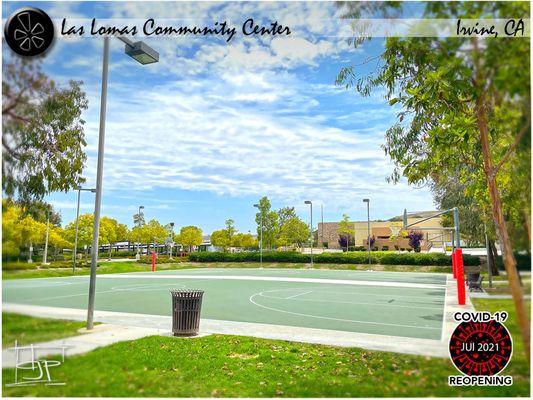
x=294, y=231
x=220, y=239
x=270, y=223
x=154, y=231
x=190, y=236
x=284, y=214
x=346, y=229
x=42, y=135
x=467, y=101
x=415, y=238
x=244, y=240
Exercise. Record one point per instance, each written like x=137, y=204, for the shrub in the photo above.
x=385, y=248
x=414, y=240
x=523, y=261
x=357, y=257
x=162, y=259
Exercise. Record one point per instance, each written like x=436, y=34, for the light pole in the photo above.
x=311, y=204
x=45, y=255
x=171, y=238
x=322, y=227
x=144, y=55
x=80, y=189
x=367, y=201
x=139, y=221
x=260, y=235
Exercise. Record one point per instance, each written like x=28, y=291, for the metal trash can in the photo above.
x=186, y=307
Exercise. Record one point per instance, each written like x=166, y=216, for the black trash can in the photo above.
x=186, y=307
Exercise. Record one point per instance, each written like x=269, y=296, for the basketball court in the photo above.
x=374, y=306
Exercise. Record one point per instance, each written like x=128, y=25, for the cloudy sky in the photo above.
x=200, y=136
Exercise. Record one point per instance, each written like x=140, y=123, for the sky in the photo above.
x=200, y=136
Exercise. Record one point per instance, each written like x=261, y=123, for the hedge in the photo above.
x=162, y=259
x=523, y=261
x=377, y=257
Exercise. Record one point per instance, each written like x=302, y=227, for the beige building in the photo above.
x=387, y=233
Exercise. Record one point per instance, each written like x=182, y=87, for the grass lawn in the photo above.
x=28, y=330
x=121, y=266
x=232, y=366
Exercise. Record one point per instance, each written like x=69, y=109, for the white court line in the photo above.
x=345, y=302
x=281, y=279
x=331, y=318
x=296, y=295
x=360, y=293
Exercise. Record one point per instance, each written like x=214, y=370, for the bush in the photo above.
x=162, y=259
x=523, y=261
x=377, y=257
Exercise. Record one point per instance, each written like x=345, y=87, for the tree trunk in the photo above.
x=497, y=211
x=493, y=254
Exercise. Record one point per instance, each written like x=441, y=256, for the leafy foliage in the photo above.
x=42, y=135
x=415, y=238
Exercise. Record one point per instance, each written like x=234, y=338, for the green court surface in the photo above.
x=384, y=303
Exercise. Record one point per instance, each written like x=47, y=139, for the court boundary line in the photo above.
x=395, y=344
x=283, y=279
x=332, y=318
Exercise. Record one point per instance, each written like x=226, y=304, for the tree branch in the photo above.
x=511, y=148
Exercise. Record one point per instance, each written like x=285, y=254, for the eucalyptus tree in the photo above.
x=464, y=102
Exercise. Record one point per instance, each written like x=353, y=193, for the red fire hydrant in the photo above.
x=153, y=260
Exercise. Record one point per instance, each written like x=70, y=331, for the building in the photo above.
x=388, y=233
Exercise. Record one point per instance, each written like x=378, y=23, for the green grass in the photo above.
x=28, y=330
x=122, y=266
x=232, y=366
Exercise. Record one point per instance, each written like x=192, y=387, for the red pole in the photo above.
x=461, y=290
x=153, y=261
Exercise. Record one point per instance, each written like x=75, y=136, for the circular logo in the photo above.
x=480, y=348
x=29, y=31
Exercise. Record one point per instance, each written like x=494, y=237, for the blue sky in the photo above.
x=200, y=136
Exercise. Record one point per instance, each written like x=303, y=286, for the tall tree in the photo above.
x=294, y=231
x=346, y=229
x=42, y=132
x=464, y=101
x=190, y=236
x=270, y=223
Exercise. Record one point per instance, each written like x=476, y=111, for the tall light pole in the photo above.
x=139, y=221
x=311, y=204
x=45, y=255
x=367, y=201
x=144, y=55
x=322, y=227
x=260, y=235
x=80, y=189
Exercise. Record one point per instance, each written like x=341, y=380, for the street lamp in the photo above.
x=171, y=238
x=260, y=235
x=367, y=201
x=80, y=189
x=311, y=204
x=139, y=222
x=142, y=53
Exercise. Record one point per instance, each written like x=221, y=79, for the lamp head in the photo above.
x=256, y=205
x=366, y=200
x=142, y=53
x=307, y=202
